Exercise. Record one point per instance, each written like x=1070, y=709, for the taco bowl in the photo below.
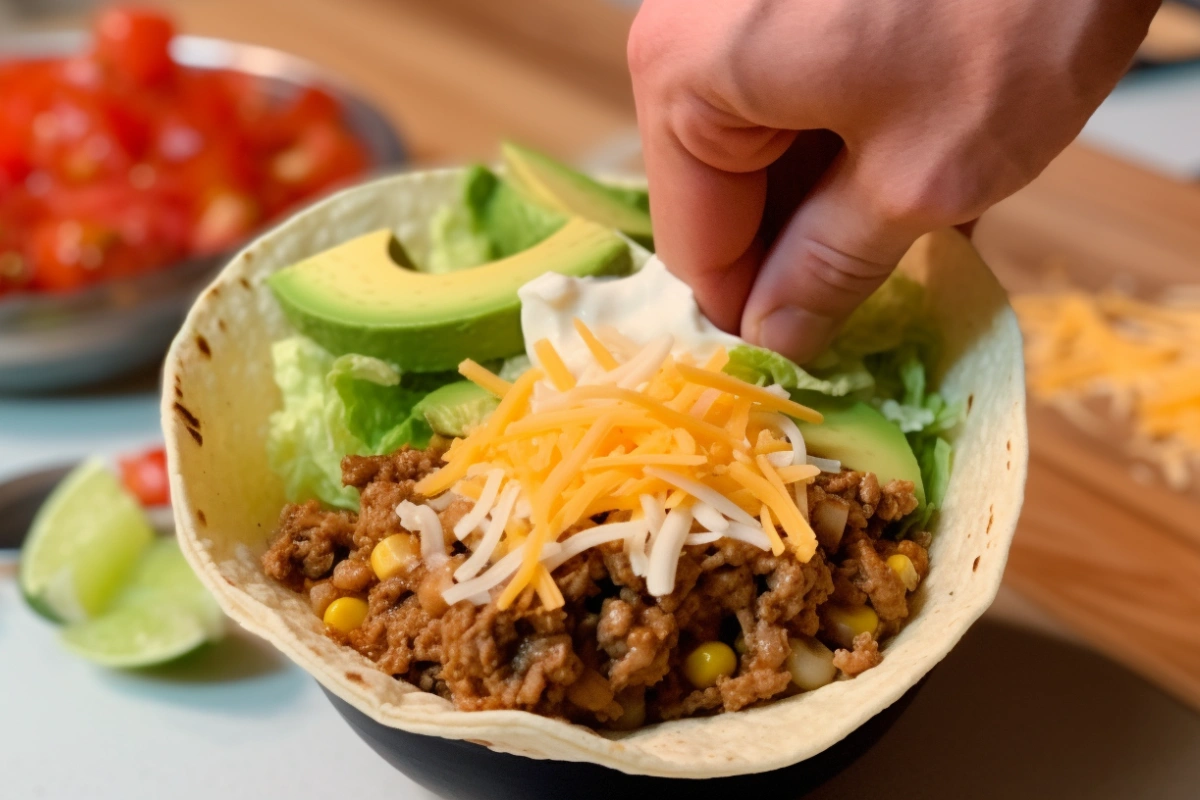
x=218, y=403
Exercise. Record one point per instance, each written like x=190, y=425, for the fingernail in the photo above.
x=795, y=332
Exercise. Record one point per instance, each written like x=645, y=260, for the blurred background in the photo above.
x=1084, y=681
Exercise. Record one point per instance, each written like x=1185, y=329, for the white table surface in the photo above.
x=237, y=721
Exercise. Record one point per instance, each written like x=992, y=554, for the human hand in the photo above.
x=795, y=149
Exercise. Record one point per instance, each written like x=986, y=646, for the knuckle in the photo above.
x=843, y=279
x=931, y=195
x=724, y=142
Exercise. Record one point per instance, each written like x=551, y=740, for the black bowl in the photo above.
x=52, y=342
x=460, y=770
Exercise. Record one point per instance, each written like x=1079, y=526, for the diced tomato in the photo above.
x=70, y=254
x=118, y=161
x=135, y=43
x=145, y=476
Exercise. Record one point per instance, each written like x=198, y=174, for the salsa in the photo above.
x=118, y=160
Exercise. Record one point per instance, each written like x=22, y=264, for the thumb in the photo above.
x=836, y=249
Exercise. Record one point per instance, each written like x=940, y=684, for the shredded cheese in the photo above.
x=640, y=448
x=599, y=352
x=552, y=362
x=484, y=377
x=424, y=521
x=1141, y=359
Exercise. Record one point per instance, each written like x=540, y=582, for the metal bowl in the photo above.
x=51, y=342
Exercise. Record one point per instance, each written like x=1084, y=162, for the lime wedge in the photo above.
x=136, y=636
x=161, y=614
x=83, y=543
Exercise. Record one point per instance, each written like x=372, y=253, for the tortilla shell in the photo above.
x=219, y=392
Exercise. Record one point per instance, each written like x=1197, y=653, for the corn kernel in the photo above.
x=902, y=565
x=395, y=555
x=810, y=662
x=708, y=662
x=845, y=623
x=346, y=613
x=633, y=710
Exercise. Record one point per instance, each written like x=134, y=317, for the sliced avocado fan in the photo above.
x=456, y=408
x=355, y=298
x=557, y=186
x=861, y=438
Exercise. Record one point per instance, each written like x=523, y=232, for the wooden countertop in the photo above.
x=1116, y=562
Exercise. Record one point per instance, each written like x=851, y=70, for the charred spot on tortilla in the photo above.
x=221, y=325
x=970, y=402
x=195, y=434
x=188, y=417
x=991, y=519
x=245, y=283
x=354, y=676
x=203, y=520
x=975, y=564
x=202, y=345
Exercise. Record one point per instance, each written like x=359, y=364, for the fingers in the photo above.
x=835, y=250
x=705, y=223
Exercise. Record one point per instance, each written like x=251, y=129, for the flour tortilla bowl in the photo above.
x=219, y=393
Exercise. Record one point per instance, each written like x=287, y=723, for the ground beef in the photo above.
x=306, y=543
x=611, y=643
x=864, y=656
x=638, y=639
x=521, y=658
x=876, y=579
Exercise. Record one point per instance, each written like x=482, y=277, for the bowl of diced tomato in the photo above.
x=133, y=162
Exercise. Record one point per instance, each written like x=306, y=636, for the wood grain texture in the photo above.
x=548, y=72
x=1117, y=562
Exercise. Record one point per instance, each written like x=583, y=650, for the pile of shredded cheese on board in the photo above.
x=1143, y=358
x=669, y=453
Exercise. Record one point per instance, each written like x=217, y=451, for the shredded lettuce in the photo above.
x=763, y=367
x=514, y=367
x=490, y=220
x=333, y=407
x=894, y=315
x=925, y=417
x=881, y=355
x=457, y=242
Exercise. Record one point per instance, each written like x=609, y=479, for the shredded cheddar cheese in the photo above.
x=642, y=449
x=1142, y=358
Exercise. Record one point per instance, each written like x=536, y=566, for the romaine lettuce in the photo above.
x=763, y=367
x=491, y=220
x=333, y=407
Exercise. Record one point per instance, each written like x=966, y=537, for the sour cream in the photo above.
x=645, y=306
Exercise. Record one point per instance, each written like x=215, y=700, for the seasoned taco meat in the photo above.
x=613, y=653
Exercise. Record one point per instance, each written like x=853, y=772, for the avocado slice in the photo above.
x=456, y=408
x=557, y=186
x=861, y=438
x=354, y=298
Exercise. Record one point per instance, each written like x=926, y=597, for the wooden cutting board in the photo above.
x=1117, y=562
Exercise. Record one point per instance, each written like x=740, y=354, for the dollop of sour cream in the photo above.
x=647, y=305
